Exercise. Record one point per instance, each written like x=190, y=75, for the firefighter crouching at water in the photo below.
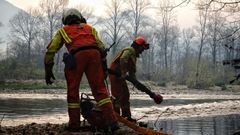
x=125, y=64
x=82, y=41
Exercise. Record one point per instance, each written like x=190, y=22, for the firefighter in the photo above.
x=83, y=40
x=125, y=64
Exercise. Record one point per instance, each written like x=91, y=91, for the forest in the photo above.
x=201, y=56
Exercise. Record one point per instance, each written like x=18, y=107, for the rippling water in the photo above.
x=14, y=108
x=220, y=125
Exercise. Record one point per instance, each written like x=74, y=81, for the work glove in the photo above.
x=157, y=98
x=49, y=74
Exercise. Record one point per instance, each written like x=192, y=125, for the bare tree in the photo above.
x=229, y=37
x=137, y=9
x=24, y=29
x=188, y=35
x=86, y=11
x=184, y=66
x=214, y=28
x=203, y=14
x=222, y=4
x=167, y=17
x=148, y=57
x=1, y=24
x=174, y=48
x=114, y=23
x=52, y=10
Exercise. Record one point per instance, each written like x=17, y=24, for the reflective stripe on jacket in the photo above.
x=73, y=36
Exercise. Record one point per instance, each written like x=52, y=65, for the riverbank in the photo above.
x=57, y=129
x=179, y=103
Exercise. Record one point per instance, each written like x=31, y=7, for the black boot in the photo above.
x=72, y=129
x=111, y=128
x=114, y=127
x=132, y=120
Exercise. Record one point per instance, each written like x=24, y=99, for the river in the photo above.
x=20, y=108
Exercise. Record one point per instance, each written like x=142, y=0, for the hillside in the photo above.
x=7, y=11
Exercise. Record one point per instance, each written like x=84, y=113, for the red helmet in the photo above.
x=142, y=42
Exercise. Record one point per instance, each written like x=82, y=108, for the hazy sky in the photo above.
x=25, y=4
x=186, y=16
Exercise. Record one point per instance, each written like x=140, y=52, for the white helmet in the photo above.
x=70, y=15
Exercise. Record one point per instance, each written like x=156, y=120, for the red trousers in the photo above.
x=120, y=91
x=88, y=62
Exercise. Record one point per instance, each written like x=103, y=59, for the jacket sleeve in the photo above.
x=98, y=40
x=53, y=47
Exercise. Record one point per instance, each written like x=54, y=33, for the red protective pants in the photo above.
x=120, y=91
x=88, y=62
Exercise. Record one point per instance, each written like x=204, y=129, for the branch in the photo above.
x=229, y=35
x=179, y=4
x=222, y=4
x=160, y=115
x=2, y=119
x=226, y=3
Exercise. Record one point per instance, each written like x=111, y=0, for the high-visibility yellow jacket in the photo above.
x=126, y=61
x=73, y=36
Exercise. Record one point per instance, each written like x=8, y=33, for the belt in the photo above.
x=73, y=52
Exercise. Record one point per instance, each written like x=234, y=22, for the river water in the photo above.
x=218, y=125
x=14, y=108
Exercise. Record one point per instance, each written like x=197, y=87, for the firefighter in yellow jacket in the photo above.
x=125, y=64
x=82, y=41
